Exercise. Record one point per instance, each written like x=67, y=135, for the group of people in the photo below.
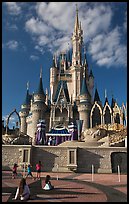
x=29, y=172
x=23, y=191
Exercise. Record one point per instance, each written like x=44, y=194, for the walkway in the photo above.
x=70, y=187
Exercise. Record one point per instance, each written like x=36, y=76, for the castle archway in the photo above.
x=107, y=116
x=96, y=116
x=119, y=158
x=7, y=123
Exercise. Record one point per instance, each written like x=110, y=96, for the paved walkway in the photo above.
x=69, y=187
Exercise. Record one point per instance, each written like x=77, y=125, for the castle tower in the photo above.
x=38, y=106
x=85, y=104
x=53, y=78
x=25, y=107
x=77, y=40
x=76, y=69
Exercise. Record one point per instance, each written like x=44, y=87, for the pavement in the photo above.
x=69, y=187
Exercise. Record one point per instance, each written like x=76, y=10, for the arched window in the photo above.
x=107, y=116
x=117, y=118
x=96, y=117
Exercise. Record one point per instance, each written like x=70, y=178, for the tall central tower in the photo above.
x=76, y=69
x=77, y=41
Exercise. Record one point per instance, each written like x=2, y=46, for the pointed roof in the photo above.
x=84, y=89
x=91, y=74
x=62, y=85
x=76, y=26
x=113, y=103
x=106, y=100
x=96, y=97
x=40, y=87
x=28, y=96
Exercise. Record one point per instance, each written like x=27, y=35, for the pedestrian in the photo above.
x=29, y=173
x=23, y=191
x=48, y=185
x=14, y=171
x=50, y=141
x=38, y=169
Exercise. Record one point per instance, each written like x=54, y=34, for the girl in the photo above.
x=14, y=171
x=23, y=191
x=48, y=185
x=29, y=173
x=38, y=169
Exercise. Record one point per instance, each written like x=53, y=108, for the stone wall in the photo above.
x=50, y=157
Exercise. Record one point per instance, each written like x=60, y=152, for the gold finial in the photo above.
x=105, y=93
x=76, y=8
x=28, y=85
x=76, y=27
x=41, y=72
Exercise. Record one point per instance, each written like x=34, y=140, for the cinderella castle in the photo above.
x=71, y=94
x=73, y=104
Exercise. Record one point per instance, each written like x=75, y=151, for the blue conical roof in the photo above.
x=106, y=100
x=84, y=89
x=96, y=97
x=113, y=103
x=28, y=98
x=40, y=87
x=91, y=74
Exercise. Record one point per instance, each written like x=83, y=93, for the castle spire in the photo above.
x=40, y=87
x=28, y=85
x=41, y=72
x=76, y=26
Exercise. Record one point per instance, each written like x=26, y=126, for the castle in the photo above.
x=71, y=95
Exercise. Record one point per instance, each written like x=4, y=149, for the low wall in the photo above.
x=51, y=156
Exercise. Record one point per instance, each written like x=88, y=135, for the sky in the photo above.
x=33, y=31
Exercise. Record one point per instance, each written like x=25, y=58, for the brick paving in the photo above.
x=69, y=187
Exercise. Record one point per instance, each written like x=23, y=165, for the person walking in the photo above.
x=48, y=185
x=23, y=191
x=38, y=169
x=14, y=171
x=29, y=173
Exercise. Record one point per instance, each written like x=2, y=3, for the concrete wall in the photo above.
x=51, y=156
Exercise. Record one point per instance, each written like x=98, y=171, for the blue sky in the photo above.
x=32, y=32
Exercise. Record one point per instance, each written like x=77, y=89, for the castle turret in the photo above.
x=84, y=105
x=91, y=83
x=25, y=107
x=53, y=78
x=38, y=106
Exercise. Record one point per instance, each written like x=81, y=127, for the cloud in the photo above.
x=12, y=119
x=12, y=45
x=51, y=30
x=34, y=57
x=13, y=8
x=54, y=28
x=107, y=50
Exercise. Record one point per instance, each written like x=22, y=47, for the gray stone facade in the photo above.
x=84, y=158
